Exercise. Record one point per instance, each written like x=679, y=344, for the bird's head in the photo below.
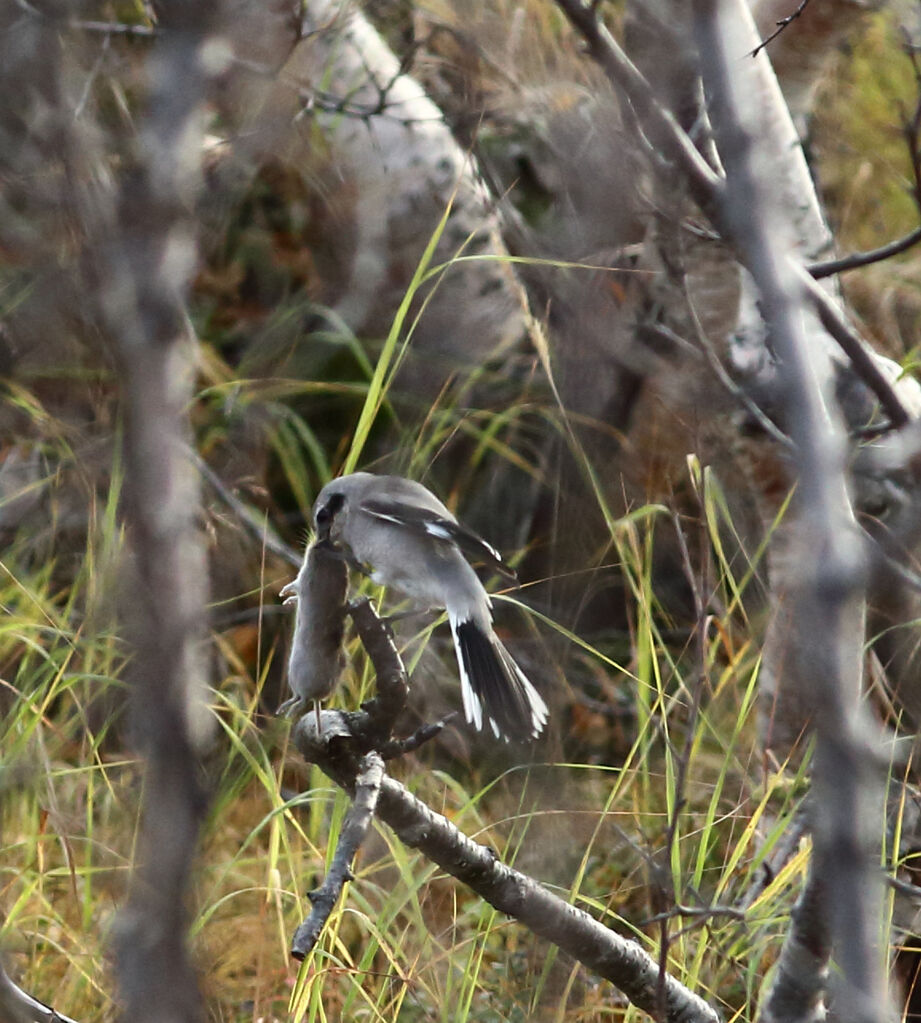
x=325, y=512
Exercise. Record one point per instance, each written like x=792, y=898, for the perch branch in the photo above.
x=619, y=960
x=338, y=752
x=16, y=1006
x=354, y=829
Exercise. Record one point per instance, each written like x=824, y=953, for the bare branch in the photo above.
x=826, y=598
x=18, y=1007
x=830, y=267
x=705, y=184
x=336, y=750
x=145, y=253
x=862, y=359
x=619, y=960
x=781, y=25
x=708, y=189
x=255, y=525
x=354, y=829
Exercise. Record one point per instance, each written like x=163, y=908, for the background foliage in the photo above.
x=649, y=793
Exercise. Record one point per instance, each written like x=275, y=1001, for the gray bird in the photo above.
x=317, y=658
x=399, y=533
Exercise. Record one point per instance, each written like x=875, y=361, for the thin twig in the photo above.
x=115, y=28
x=91, y=77
x=781, y=25
x=862, y=359
x=830, y=267
x=703, y=912
x=425, y=733
x=722, y=375
x=683, y=760
x=911, y=125
x=904, y=887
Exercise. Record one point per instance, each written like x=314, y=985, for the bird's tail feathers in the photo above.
x=494, y=687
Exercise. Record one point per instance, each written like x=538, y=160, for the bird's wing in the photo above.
x=410, y=516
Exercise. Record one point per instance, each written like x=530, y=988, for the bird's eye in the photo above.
x=324, y=514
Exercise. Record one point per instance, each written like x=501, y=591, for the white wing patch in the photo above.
x=383, y=515
x=436, y=529
x=492, y=550
x=446, y=530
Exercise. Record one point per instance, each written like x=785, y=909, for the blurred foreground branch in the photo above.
x=797, y=991
x=145, y=247
x=826, y=597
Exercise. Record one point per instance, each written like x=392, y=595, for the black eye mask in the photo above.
x=325, y=515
